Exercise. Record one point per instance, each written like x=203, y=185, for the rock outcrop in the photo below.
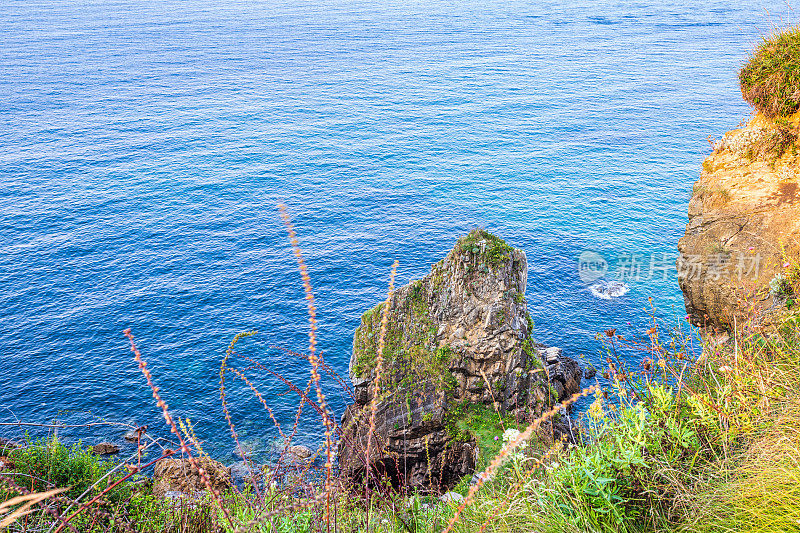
x=105, y=448
x=744, y=218
x=456, y=340
x=179, y=476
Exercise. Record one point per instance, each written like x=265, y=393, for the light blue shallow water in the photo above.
x=145, y=145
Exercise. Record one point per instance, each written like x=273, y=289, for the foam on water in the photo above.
x=606, y=290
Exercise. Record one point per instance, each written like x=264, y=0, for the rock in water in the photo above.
x=457, y=339
x=297, y=454
x=105, y=448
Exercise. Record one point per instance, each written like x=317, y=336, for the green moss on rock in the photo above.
x=490, y=249
x=467, y=422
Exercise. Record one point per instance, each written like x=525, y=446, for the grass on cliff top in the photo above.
x=770, y=80
x=491, y=249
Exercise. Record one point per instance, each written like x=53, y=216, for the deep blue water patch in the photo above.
x=145, y=145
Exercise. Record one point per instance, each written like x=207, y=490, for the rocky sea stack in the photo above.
x=458, y=342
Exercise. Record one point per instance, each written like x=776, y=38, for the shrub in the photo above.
x=770, y=81
x=47, y=463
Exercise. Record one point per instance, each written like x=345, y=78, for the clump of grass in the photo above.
x=43, y=464
x=489, y=248
x=770, y=81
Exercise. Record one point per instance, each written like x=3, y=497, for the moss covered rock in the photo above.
x=460, y=336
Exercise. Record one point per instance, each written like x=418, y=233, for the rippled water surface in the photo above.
x=145, y=145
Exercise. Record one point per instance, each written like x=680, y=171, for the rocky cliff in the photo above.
x=457, y=340
x=744, y=219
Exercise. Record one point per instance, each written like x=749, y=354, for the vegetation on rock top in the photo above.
x=491, y=249
x=770, y=81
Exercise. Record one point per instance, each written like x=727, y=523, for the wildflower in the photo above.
x=496, y=437
x=725, y=369
x=778, y=285
x=786, y=265
x=596, y=409
x=510, y=434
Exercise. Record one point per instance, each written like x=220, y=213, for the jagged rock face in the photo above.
x=744, y=208
x=458, y=337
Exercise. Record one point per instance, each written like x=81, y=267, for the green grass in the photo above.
x=489, y=249
x=47, y=463
x=770, y=81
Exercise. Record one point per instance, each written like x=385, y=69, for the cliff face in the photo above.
x=457, y=339
x=744, y=208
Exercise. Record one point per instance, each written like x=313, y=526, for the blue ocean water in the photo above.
x=144, y=147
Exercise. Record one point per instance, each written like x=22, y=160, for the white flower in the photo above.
x=510, y=434
x=779, y=285
x=725, y=369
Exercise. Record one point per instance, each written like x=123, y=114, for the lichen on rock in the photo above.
x=459, y=336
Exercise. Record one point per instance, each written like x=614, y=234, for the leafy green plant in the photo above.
x=489, y=248
x=47, y=463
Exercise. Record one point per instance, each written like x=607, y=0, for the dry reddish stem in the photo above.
x=174, y=429
x=312, y=352
x=379, y=363
x=222, y=368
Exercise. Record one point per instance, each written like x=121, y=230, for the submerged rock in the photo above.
x=135, y=435
x=297, y=454
x=744, y=208
x=105, y=448
x=456, y=339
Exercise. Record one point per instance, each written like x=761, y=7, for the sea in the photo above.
x=145, y=147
